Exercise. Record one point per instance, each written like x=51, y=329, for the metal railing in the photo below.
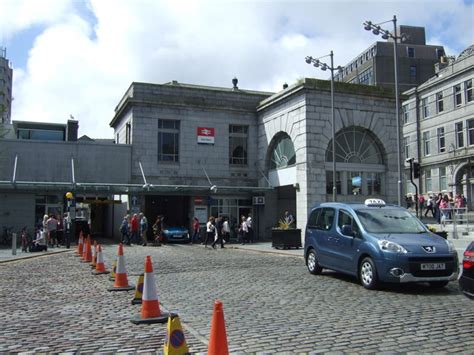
x=456, y=217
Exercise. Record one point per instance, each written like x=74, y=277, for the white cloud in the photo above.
x=74, y=68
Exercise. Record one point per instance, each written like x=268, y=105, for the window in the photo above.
x=406, y=113
x=406, y=144
x=426, y=143
x=40, y=134
x=238, y=137
x=457, y=95
x=468, y=90
x=326, y=219
x=411, y=52
x=439, y=53
x=329, y=182
x=345, y=219
x=366, y=77
x=128, y=133
x=439, y=102
x=426, y=107
x=470, y=132
x=459, y=135
x=441, y=140
x=428, y=184
x=168, y=140
x=283, y=153
x=374, y=184
x=443, y=182
x=313, y=218
x=413, y=71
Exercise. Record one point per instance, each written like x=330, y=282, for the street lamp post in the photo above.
x=317, y=63
x=376, y=30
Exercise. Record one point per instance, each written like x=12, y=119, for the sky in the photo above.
x=78, y=57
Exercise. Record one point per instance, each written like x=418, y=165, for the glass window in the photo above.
x=128, y=133
x=366, y=77
x=426, y=143
x=439, y=102
x=457, y=95
x=443, y=182
x=329, y=182
x=426, y=107
x=168, y=140
x=413, y=71
x=411, y=52
x=428, y=184
x=40, y=134
x=238, y=138
x=459, y=135
x=346, y=219
x=470, y=132
x=283, y=153
x=313, y=218
x=406, y=113
x=406, y=143
x=468, y=89
x=354, y=183
x=374, y=183
x=326, y=219
x=386, y=220
x=441, y=140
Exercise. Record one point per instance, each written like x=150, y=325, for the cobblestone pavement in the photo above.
x=271, y=305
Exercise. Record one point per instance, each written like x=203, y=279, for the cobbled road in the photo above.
x=271, y=304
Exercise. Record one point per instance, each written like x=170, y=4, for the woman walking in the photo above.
x=196, y=227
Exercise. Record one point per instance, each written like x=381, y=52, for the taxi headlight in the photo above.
x=386, y=245
x=451, y=247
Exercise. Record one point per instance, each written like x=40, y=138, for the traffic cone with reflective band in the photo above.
x=84, y=247
x=218, y=337
x=100, y=267
x=150, y=306
x=94, y=255
x=139, y=290
x=114, y=268
x=121, y=281
x=88, y=253
x=175, y=343
x=79, y=244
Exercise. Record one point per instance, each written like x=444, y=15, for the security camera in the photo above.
x=214, y=188
x=409, y=160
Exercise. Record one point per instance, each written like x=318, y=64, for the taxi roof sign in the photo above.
x=374, y=202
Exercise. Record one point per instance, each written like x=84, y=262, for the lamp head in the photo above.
x=324, y=67
x=339, y=69
x=69, y=195
x=385, y=36
x=316, y=63
x=308, y=60
x=376, y=31
x=368, y=25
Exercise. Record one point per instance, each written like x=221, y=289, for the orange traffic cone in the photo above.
x=84, y=247
x=121, y=281
x=218, y=337
x=150, y=306
x=94, y=255
x=175, y=342
x=114, y=268
x=100, y=267
x=139, y=290
x=79, y=244
x=87, y=257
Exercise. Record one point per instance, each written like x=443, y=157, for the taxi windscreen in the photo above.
x=383, y=220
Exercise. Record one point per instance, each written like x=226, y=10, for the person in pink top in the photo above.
x=135, y=228
x=444, y=206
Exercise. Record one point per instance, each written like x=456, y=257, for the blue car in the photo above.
x=377, y=243
x=176, y=234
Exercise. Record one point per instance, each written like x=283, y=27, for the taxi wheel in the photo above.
x=368, y=274
x=438, y=284
x=312, y=263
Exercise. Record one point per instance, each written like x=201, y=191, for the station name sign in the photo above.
x=205, y=135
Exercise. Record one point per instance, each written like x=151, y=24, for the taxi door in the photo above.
x=346, y=247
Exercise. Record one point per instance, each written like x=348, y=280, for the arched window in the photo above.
x=283, y=152
x=359, y=163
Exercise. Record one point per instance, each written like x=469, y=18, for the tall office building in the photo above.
x=6, y=75
x=374, y=66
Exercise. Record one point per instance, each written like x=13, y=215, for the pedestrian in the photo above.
x=243, y=230
x=444, y=208
x=143, y=227
x=44, y=229
x=125, y=230
x=288, y=218
x=249, y=222
x=430, y=206
x=460, y=205
x=210, y=230
x=52, y=226
x=421, y=203
x=135, y=229
x=218, y=233
x=196, y=227
x=25, y=241
x=226, y=230
x=157, y=229
x=40, y=241
x=436, y=208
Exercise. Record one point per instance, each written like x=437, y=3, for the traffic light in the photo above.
x=416, y=170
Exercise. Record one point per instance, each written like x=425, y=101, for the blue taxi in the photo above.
x=377, y=243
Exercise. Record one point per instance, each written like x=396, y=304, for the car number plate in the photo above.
x=433, y=266
x=177, y=236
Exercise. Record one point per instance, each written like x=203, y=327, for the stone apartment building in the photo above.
x=439, y=128
x=6, y=78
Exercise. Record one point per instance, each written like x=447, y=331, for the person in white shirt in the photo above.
x=226, y=229
x=243, y=230
x=249, y=228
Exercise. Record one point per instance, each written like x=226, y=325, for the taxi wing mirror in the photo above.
x=347, y=230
